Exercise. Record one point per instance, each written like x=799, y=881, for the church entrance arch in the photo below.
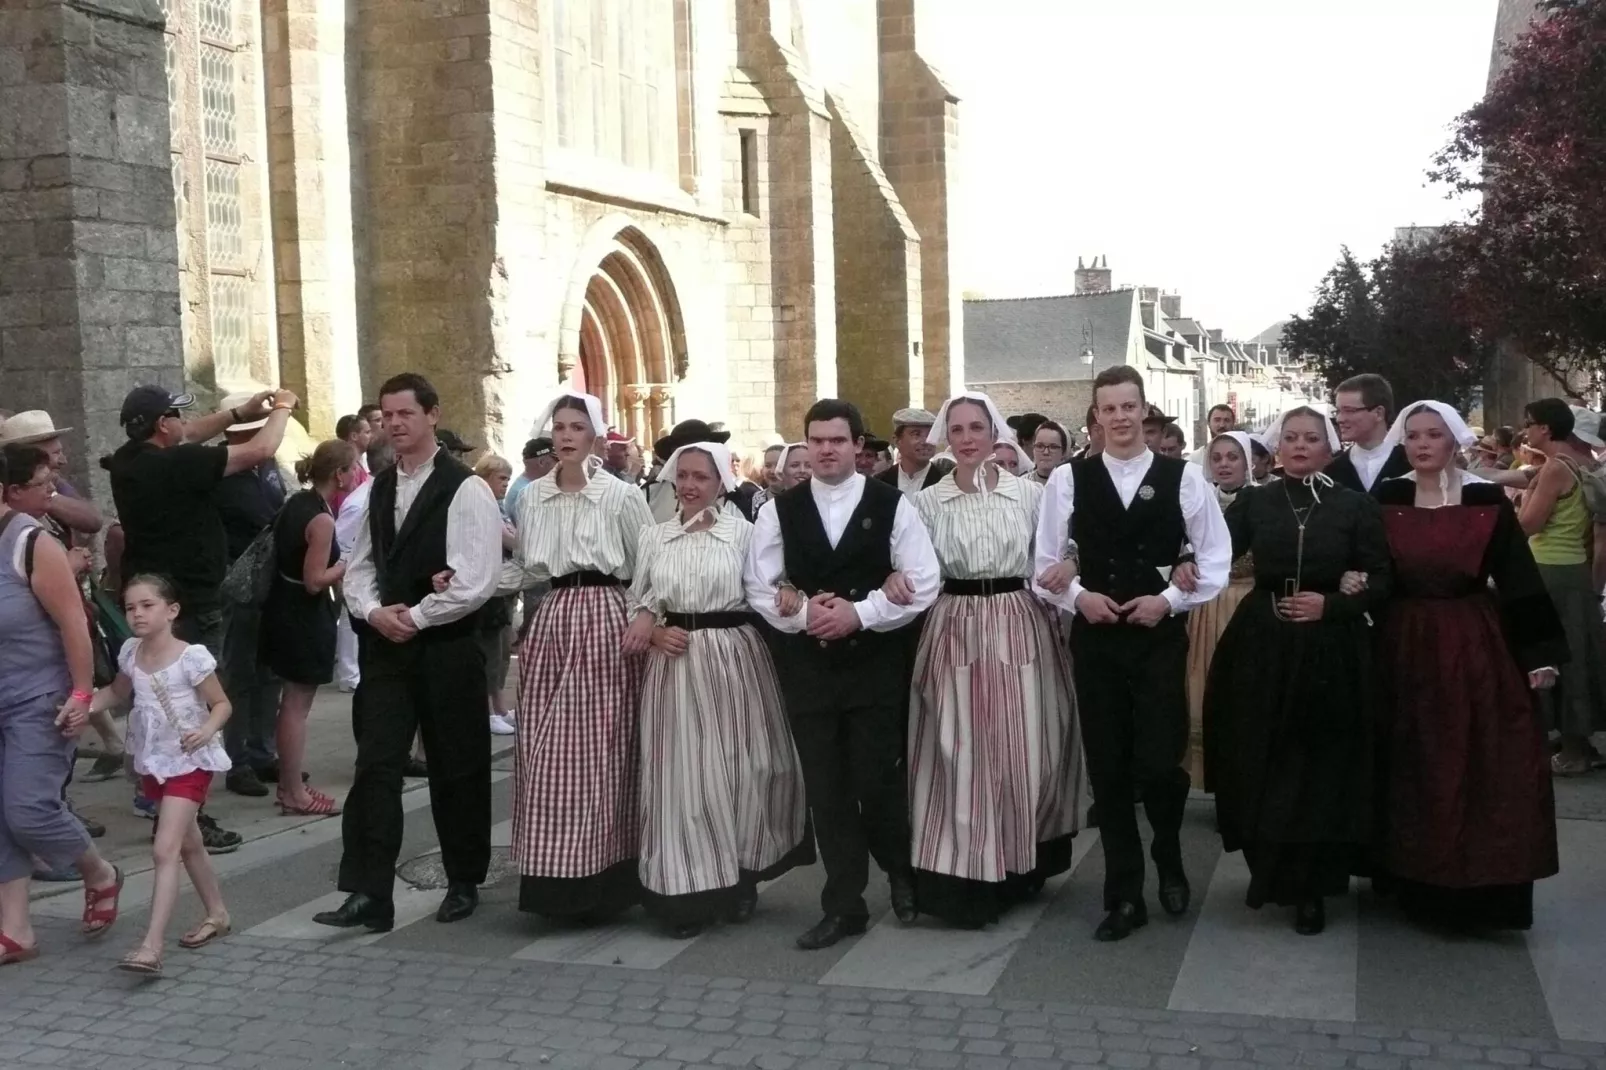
x=623, y=338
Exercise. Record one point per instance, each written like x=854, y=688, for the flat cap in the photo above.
x=913, y=418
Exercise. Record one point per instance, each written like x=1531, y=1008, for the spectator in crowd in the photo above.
x=1220, y=419
x=46, y=682
x=247, y=501
x=351, y=515
x=538, y=461
x=496, y=618
x=1172, y=441
x=1050, y=444
x=1154, y=425
x=635, y=463
x=1095, y=435
x=298, y=619
x=380, y=455
x=615, y=457
x=355, y=430
x=164, y=479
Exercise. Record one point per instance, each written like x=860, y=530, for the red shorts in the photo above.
x=194, y=786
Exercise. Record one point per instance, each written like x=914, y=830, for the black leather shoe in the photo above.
x=741, y=911
x=830, y=930
x=461, y=899
x=375, y=915
x=687, y=930
x=413, y=769
x=1310, y=917
x=1175, y=893
x=1120, y=923
x=903, y=899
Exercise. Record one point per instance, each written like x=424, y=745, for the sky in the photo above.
x=1220, y=149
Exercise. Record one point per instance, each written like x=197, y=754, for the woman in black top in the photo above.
x=1292, y=697
x=299, y=616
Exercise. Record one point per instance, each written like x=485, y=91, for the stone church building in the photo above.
x=720, y=208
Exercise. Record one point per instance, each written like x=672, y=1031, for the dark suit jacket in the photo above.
x=1342, y=470
x=934, y=474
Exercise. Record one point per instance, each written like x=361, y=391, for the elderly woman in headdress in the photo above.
x=1470, y=638
x=995, y=759
x=576, y=819
x=1291, y=695
x=722, y=803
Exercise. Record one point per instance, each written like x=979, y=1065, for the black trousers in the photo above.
x=850, y=729
x=1131, y=694
x=434, y=686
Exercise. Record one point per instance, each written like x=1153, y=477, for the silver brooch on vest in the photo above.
x=1146, y=492
x=866, y=523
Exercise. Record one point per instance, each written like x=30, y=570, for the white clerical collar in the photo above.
x=825, y=492
x=1371, y=451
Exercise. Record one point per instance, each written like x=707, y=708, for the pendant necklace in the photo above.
x=1301, y=518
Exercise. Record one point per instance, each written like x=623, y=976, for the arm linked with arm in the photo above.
x=473, y=554
x=1369, y=553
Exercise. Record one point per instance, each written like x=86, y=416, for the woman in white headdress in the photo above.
x=1229, y=465
x=722, y=803
x=1470, y=640
x=995, y=758
x=576, y=818
x=1291, y=700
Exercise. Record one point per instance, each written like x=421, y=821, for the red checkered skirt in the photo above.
x=577, y=775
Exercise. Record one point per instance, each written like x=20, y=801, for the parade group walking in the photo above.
x=938, y=662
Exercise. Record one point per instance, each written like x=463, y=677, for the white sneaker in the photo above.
x=501, y=726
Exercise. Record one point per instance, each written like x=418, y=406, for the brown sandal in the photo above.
x=98, y=917
x=12, y=953
x=141, y=961
x=204, y=933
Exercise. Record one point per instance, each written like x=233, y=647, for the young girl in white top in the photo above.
x=178, y=709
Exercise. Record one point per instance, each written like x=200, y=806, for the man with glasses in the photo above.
x=1365, y=410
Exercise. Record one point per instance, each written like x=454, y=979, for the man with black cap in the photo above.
x=539, y=459
x=163, y=482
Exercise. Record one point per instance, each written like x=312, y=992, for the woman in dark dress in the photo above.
x=1471, y=816
x=1291, y=698
x=299, y=617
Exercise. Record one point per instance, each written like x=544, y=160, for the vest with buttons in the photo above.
x=406, y=561
x=1123, y=548
x=860, y=562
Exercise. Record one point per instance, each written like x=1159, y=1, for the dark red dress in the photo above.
x=1471, y=820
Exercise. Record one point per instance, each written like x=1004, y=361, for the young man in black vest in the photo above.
x=843, y=661
x=1128, y=512
x=1365, y=405
x=421, y=662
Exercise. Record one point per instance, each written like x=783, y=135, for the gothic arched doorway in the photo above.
x=629, y=345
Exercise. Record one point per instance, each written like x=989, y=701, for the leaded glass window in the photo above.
x=613, y=91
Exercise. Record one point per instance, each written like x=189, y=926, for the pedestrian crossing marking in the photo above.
x=1243, y=961
x=1568, y=940
x=928, y=956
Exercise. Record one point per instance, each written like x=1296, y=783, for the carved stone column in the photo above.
x=636, y=397
x=662, y=409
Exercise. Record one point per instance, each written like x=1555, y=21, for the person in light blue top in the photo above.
x=539, y=459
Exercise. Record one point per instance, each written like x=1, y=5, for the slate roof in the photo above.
x=1040, y=338
x=1271, y=336
x=1187, y=326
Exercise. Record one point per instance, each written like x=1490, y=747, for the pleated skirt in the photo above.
x=722, y=801
x=996, y=778
x=577, y=780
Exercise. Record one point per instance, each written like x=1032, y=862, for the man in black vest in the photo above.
x=1365, y=406
x=421, y=662
x=1127, y=512
x=843, y=661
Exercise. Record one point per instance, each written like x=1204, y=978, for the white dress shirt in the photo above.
x=353, y=514
x=1201, y=516
x=912, y=555
x=912, y=485
x=1369, y=462
x=473, y=551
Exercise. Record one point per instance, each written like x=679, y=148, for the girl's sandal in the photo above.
x=12, y=953
x=318, y=805
x=204, y=933
x=100, y=906
x=142, y=961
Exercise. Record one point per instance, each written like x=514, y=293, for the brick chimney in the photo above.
x=1171, y=306
x=1095, y=279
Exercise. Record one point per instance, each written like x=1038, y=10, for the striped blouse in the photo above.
x=982, y=536
x=692, y=572
x=596, y=528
